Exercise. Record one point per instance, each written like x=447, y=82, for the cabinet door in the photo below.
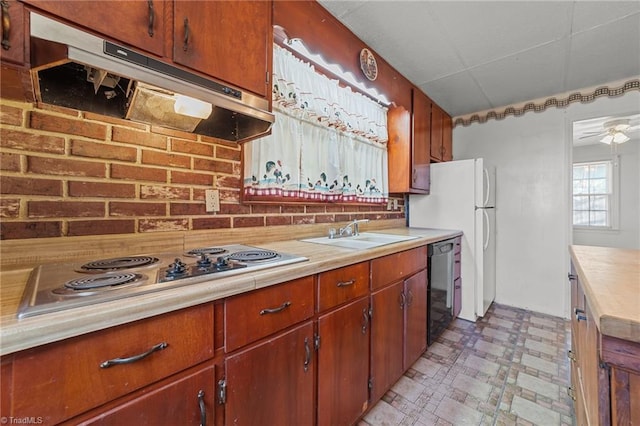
x=271, y=383
x=186, y=400
x=437, y=115
x=343, y=368
x=229, y=40
x=12, y=49
x=421, y=142
x=398, y=149
x=415, y=318
x=139, y=24
x=447, y=138
x=386, y=338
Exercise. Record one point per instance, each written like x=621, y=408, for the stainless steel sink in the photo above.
x=362, y=241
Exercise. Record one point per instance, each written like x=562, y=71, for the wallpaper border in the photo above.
x=550, y=102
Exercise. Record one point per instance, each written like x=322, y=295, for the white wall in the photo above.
x=628, y=233
x=532, y=156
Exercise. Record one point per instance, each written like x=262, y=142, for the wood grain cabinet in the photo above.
x=398, y=319
x=64, y=379
x=140, y=24
x=229, y=40
x=605, y=371
x=343, y=344
x=12, y=46
x=441, y=135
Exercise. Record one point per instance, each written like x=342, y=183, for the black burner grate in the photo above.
x=118, y=263
x=253, y=255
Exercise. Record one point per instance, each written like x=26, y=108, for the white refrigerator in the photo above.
x=462, y=196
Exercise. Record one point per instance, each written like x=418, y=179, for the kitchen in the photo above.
x=160, y=215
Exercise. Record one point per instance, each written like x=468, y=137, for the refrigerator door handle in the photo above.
x=488, y=229
x=487, y=185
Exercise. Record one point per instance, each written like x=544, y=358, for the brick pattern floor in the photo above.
x=508, y=368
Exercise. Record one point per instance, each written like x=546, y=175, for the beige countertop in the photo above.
x=611, y=281
x=16, y=335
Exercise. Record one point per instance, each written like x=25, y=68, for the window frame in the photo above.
x=613, y=194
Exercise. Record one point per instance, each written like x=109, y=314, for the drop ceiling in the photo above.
x=472, y=56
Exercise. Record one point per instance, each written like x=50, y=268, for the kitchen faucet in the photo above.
x=349, y=229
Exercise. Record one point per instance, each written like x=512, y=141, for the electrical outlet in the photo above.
x=212, y=200
x=395, y=204
x=389, y=204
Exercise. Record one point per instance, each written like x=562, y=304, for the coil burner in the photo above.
x=255, y=255
x=118, y=263
x=90, y=285
x=208, y=251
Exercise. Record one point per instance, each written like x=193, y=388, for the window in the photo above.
x=593, y=194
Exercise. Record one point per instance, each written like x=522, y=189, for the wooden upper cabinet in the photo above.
x=140, y=24
x=228, y=40
x=441, y=135
x=12, y=49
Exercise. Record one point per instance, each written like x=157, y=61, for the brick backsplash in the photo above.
x=68, y=173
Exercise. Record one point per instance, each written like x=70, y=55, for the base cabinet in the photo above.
x=343, y=370
x=272, y=383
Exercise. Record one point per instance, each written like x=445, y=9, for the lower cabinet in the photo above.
x=415, y=318
x=343, y=368
x=272, y=382
x=605, y=371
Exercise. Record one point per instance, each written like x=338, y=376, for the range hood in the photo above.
x=78, y=70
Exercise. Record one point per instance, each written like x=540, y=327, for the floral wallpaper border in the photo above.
x=551, y=102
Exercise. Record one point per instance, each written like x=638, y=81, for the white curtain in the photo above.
x=328, y=143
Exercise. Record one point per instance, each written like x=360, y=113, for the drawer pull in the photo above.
x=571, y=393
x=580, y=316
x=185, y=46
x=203, y=408
x=6, y=25
x=346, y=283
x=571, y=356
x=284, y=306
x=152, y=17
x=116, y=361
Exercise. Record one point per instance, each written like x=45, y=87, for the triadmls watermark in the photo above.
x=25, y=420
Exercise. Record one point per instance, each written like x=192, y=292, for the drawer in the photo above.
x=64, y=379
x=342, y=285
x=254, y=315
x=395, y=267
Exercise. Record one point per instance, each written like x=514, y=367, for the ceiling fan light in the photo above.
x=620, y=137
x=607, y=139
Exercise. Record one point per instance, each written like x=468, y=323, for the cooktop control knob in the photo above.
x=176, y=269
x=204, y=261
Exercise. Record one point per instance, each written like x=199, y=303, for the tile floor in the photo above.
x=508, y=368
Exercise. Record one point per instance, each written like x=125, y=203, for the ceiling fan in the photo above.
x=614, y=131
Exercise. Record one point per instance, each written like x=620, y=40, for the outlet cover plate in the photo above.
x=212, y=200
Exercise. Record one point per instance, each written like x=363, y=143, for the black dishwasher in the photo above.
x=440, y=291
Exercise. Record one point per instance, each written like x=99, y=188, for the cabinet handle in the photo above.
x=203, y=408
x=572, y=276
x=152, y=17
x=580, y=316
x=281, y=308
x=414, y=176
x=116, y=361
x=346, y=283
x=571, y=393
x=409, y=298
x=185, y=46
x=6, y=25
x=365, y=320
x=571, y=356
x=307, y=354
x=403, y=300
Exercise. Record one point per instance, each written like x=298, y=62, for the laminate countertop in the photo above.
x=18, y=334
x=611, y=281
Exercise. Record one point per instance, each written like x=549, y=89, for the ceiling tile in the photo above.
x=594, y=59
x=457, y=94
x=590, y=14
x=520, y=77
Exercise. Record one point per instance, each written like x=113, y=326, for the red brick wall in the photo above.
x=68, y=173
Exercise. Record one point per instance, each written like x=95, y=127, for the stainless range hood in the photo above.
x=75, y=69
